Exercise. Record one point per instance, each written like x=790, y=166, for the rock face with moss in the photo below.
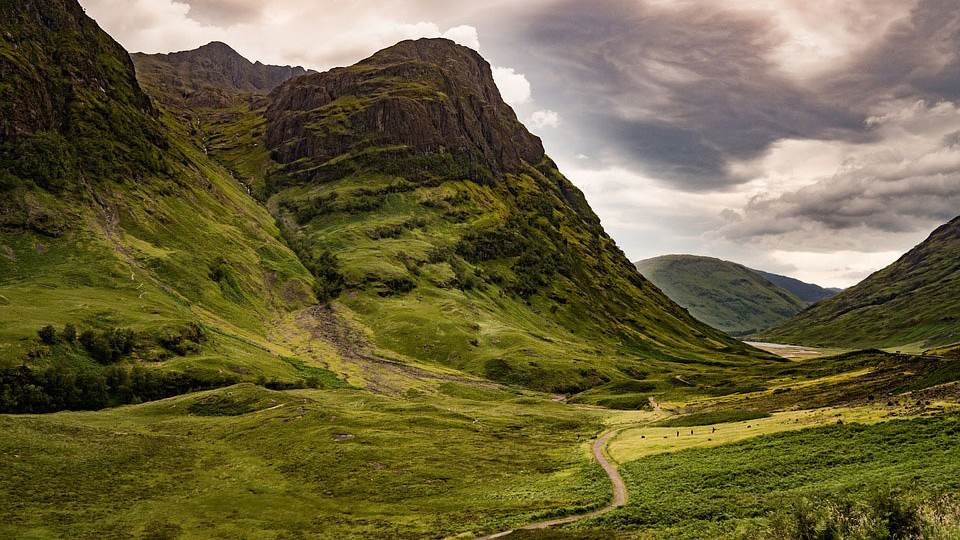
x=457, y=240
x=211, y=76
x=428, y=96
x=71, y=111
x=912, y=302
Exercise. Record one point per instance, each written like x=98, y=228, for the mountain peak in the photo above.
x=425, y=95
x=209, y=76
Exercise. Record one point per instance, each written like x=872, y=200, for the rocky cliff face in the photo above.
x=406, y=181
x=427, y=96
x=71, y=112
x=45, y=85
x=211, y=76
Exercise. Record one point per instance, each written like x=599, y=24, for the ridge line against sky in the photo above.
x=818, y=139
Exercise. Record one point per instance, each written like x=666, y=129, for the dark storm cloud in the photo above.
x=678, y=93
x=918, y=57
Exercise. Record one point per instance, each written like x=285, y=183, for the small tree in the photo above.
x=48, y=334
x=69, y=333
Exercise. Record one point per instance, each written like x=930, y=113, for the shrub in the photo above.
x=329, y=282
x=47, y=334
x=69, y=333
x=23, y=390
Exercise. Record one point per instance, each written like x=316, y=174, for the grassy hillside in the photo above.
x=861, y=481
x=114, y=223
x=725, y=295
x=910, y=304
x=286, y=314
x=460, y=246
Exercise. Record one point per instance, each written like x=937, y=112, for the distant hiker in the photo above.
x=678, y=434
x=691, y=432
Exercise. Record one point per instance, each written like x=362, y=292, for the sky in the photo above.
x=815, y=138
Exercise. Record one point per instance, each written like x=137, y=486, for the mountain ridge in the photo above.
x=211, y=76
x=911, y=302
x=409, y=170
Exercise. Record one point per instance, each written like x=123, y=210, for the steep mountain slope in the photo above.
x=406, y=181
x=723, y=294
x=112, y=222
x=211, y=76
x=913, y=302
x=808, y=292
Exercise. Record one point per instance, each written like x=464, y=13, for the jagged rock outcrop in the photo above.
x=428, y=95
x=211, y=76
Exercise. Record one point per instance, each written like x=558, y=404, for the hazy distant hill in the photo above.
x=808, y=292
x=723, y=294
x=915, y=300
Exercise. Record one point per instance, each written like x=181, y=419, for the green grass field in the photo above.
x=734, y=489
x=253, y=463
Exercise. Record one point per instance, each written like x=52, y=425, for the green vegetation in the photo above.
x=712, y=417
x=459, y=257
x=733, y=489
x=350, y=341
x=244, y=461
x=725, y=295
x=910, y=305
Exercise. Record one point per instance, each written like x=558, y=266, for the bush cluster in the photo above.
x=113, y=344
x=23, y=390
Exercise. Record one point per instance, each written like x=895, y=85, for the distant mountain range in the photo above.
x=730, y=296
x=912, y=303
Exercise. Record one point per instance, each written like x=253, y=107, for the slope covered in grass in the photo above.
x=407, y=184
x=911, y=303
x=723, y=294
x=113, y=222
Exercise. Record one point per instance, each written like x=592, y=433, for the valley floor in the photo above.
x=458, y=459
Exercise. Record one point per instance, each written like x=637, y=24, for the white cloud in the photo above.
x=514, y=87
x=464, y=35
x=544, y=119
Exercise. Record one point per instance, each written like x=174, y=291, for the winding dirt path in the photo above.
x=619, y=492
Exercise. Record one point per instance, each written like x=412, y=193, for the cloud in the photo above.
x=224, y=12
x=514, y=87
x=544, y=119
x=733, y=128
x=676, y=90
x=464, y=35
x=907, y=182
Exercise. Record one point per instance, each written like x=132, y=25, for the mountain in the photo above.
x=124, y=250
x=212, y=76
x=808, y=292
x=413, y=200
x=408, y=181
x=911, y=303
x=723, y=294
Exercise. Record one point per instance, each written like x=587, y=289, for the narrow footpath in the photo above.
x=619, y=493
